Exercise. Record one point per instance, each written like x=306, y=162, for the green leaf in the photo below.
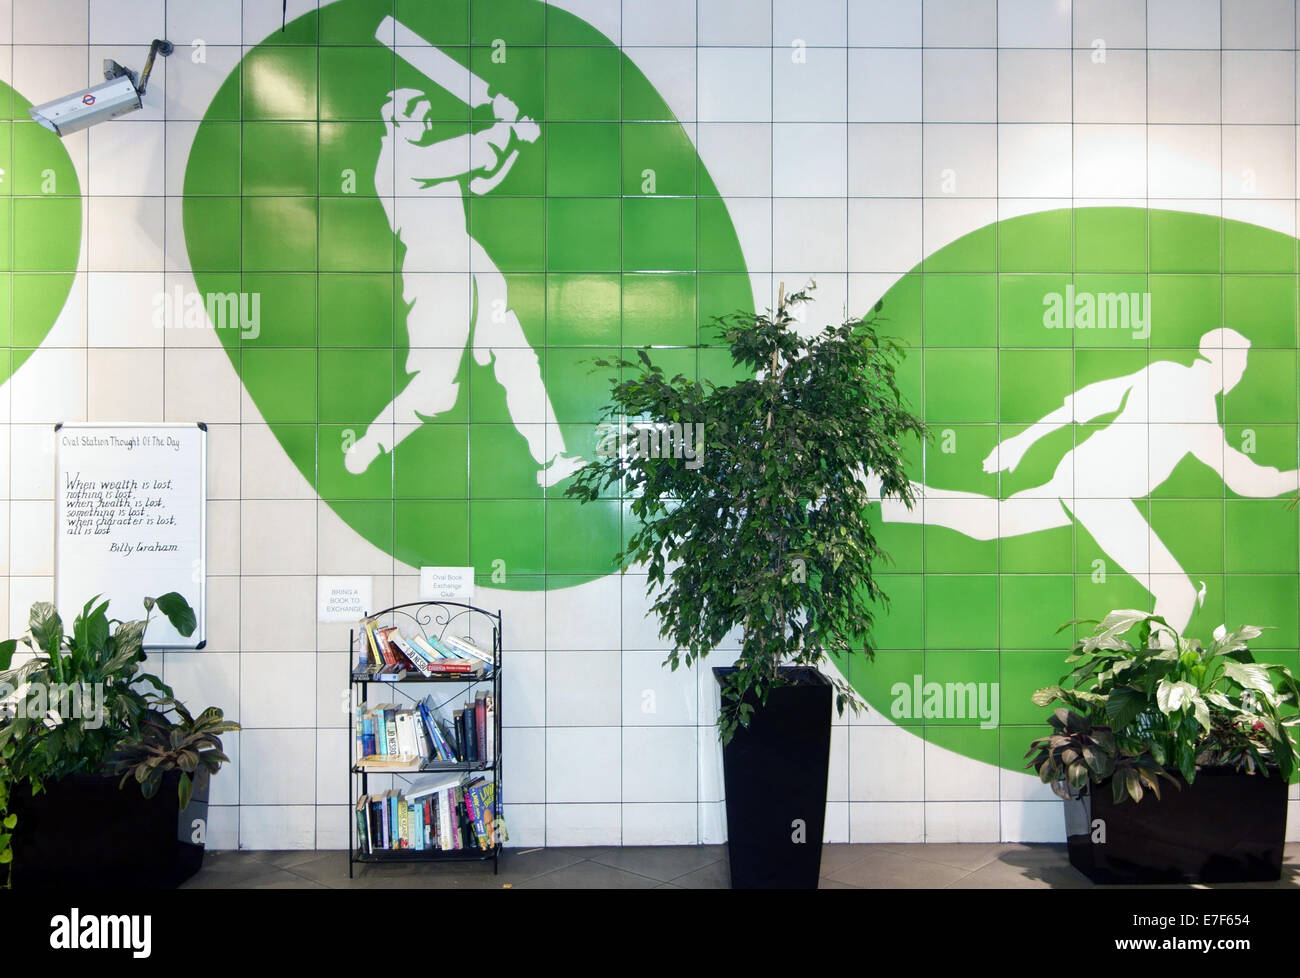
x=7, y=649
x=1123, y=706
x=10, y=821
x=178, y=611
x=1172, y=697
x=1236, y=641
x=1251, y=676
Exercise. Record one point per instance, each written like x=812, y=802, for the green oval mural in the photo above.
x=1113, y=398
x=414, y=233
x=40, y=203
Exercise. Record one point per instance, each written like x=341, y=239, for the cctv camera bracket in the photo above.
x=158, y=47
x=114, y=70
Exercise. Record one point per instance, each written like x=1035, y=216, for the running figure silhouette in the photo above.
x=1166, y=411
x=422, y=181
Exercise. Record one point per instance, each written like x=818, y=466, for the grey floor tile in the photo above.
x=828, y=884
x=715, y=876
x=967, y=856
x=839, y=855
x=884, y=869
x=589, y=875
x=522, y=864
x=661, y=863
x=248, y=876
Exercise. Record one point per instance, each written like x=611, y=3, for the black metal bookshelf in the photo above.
x=428, y=618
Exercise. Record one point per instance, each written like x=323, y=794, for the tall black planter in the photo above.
x=1226, y=827
x=775, y=773
x=85, y=832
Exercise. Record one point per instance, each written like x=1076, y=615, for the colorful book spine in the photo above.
x=474, y=808
x=390, y=731
x=466, y=647
x=413, y=655
x=369, y=626
x=480, y=729
x=363, y=824
x=444, y=749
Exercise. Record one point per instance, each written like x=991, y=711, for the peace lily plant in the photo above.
x=1142, y=700
x=114, y=718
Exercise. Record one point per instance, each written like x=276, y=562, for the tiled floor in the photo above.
x=997, y=866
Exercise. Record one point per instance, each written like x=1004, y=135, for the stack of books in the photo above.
x=446, y=814
x=390, y=737
x=387, y=653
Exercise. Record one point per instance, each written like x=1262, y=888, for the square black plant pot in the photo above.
x=1226, y=827
x=85, y=832
x=775, y=774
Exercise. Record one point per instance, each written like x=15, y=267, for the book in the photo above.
x=471, y=732
x=388, y=638
x=413, y=655
x=458, y=721
x=406, y=740
x=432, y=653
x=381, y=730
x=363, y=824
x=368, y=626
x=490, y=716
x=466, y=647
x=480, y=728
x=390, y=730
x=445, y=750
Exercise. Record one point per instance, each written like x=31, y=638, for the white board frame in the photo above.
x=199, y=638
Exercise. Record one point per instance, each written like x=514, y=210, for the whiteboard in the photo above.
x=131, y=521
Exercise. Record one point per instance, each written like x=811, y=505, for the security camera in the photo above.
x=120, y=93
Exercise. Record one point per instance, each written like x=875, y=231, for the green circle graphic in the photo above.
x=40, y=205
x=993, y=351
x=608, y=230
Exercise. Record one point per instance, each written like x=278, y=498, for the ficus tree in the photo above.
x=760, y=524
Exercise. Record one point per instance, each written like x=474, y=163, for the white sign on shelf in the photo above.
x=343, y=598
x=447, y=584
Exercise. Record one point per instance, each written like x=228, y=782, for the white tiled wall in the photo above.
x=831, y=168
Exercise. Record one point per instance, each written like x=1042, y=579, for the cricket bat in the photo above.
x=435, y=64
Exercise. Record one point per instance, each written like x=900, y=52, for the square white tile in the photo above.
x=809, y=159
x=961, y=23
x=652, y=767
x=652, y=22
x=809, y=84
x=1034, y=86
x=1033, y=24
x=960, y=86
x=733, y=22
x=735, y=85
x=885, y=23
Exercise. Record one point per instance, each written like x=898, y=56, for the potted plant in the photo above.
x=750, y=503
x=1142, y=706
x=81, y=719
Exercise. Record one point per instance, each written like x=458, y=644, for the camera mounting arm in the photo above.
x=158, y=47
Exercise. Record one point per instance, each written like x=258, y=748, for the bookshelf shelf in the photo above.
x=415, y=677
x=435, y=622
